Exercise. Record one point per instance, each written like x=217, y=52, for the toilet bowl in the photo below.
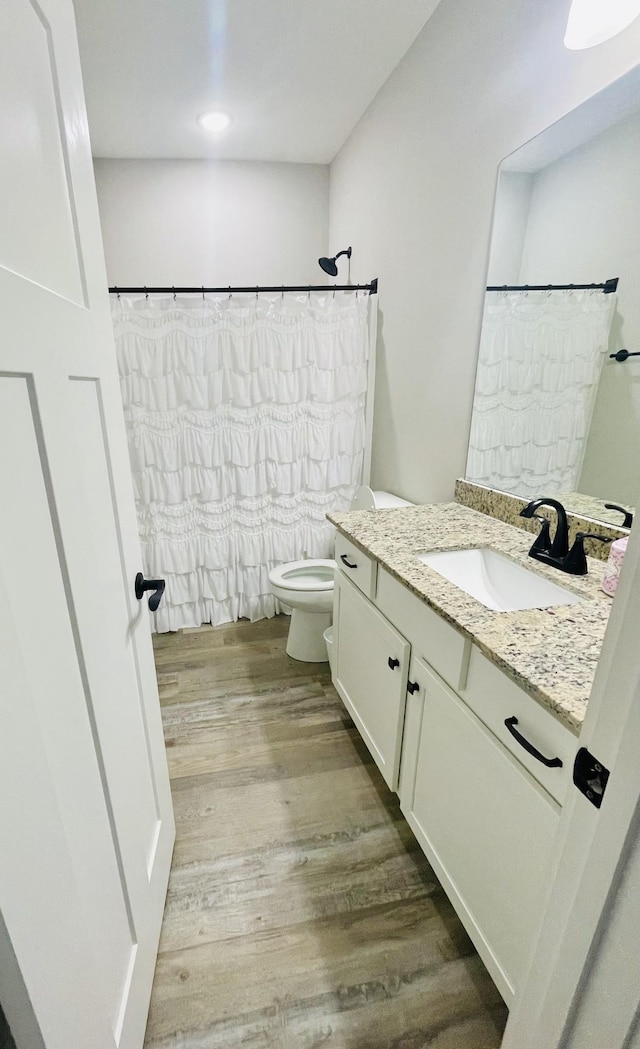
x=306, y=587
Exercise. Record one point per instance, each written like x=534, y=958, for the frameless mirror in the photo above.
x=554, y=413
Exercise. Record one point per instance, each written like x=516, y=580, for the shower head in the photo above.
x=329, y=265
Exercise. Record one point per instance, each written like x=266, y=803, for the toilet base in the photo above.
x=306, y=641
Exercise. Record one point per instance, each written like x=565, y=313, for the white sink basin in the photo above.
x=496, y=581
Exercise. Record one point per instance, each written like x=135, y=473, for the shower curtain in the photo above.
x=539, y=364
x=246, y=423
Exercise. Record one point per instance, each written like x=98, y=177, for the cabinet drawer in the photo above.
x=360, y=568
x=494, y=697
x=432, y=638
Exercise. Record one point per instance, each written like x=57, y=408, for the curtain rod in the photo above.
x=608, y=287
x=372, y=288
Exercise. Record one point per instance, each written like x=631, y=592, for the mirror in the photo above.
x=554, y=413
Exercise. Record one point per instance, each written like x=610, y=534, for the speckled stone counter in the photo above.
x=552, y=653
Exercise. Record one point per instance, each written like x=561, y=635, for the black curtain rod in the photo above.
x=372, y=288
x=608, y=287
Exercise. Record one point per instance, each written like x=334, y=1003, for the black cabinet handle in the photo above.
x=393, y=663
x=551, y=763
x=343, y=558
x=413, y=686
x=157, y=585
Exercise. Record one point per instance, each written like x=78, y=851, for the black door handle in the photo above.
x=551, y=763
x=413, y=686
x=157, y=585
x=393, y=662
x=343, y=558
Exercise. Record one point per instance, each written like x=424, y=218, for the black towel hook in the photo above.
x=622, y=355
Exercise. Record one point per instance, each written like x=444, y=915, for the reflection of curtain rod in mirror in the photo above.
x=608, y=287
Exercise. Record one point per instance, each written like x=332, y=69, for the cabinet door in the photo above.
x=487, y=829
x=372, y=660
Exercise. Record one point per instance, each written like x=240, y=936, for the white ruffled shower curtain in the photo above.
x=246, y=424
x=539, y=365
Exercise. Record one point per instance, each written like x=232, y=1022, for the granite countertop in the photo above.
x=552, y=653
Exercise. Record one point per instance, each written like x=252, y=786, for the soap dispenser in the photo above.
x=614, y=564
x=616, y=553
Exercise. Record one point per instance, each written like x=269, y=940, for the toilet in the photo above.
x=306, y=587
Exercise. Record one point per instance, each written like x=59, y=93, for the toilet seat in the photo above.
x=306, y=589
x=311, y=574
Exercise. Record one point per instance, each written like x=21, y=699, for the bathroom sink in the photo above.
x=496, y=581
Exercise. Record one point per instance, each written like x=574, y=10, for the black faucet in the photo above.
x=543, y=549
x=575, y=563
x=557, y=553
x=628, y=516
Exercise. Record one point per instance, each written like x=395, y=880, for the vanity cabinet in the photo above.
x=484, y=823
x=432, y=710
x=372, y=661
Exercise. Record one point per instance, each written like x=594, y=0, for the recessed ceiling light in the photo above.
x=216, y=120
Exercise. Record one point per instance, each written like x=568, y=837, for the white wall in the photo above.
x=510, y=216
x=186, y=222
x=584, y=226
x=412, y=190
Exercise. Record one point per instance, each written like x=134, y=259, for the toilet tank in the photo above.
x=366, y=499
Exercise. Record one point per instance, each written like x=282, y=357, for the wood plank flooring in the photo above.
x=301, y=912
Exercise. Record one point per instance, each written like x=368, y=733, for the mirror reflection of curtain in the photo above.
x=539, y=364
x=245, y=420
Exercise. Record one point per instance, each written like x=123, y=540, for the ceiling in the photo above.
x=295, y=75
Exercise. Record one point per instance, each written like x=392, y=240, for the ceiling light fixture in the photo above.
x=216, y=120
x=592, y=22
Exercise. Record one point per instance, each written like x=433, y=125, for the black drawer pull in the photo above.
x=551, y=763
x=413, y=686
x=393, y=663
x=343, y=558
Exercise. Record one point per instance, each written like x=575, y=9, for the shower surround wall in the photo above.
x=189, y=222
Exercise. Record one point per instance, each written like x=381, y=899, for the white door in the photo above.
x=86, y=825
x=583, y=988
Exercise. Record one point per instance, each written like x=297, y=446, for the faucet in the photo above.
x=557, y=553
x=575, y=563
x=543, y=549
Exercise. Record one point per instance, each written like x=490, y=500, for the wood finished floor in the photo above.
x=301, y=912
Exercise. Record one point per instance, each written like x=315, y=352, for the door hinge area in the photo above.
x=590, y=776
